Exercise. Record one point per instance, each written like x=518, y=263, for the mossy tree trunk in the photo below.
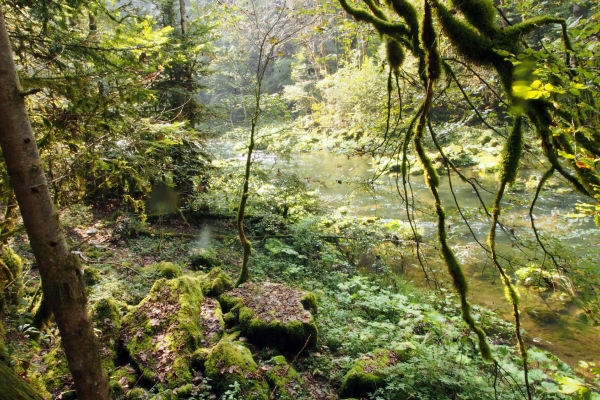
x=61, y=272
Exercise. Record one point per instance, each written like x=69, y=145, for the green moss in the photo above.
x=57, y=372
x=309, y=302
x=216, y=283
x=185, y=391
x=395, y=55
x=480, y=13
x=283, y=378
x=367, y=374
x=168, y=270
x=469, y=43
x=291, y=336
x=136, y=394
x=91, y=276
x=107, y=315
x=163, y=332
x=230, y=303
x=13, y=387
x=204, y=259
x=121, y=380
x=11, y=272
x=199, y=358
x=511, y=153
x=230, y=362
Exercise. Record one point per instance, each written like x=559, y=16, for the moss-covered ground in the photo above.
x=164, y=334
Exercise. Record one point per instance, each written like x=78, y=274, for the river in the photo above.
x=351, y=182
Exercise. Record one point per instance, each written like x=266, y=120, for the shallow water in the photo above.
x=351, y=182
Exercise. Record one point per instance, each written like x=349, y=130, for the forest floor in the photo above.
x=359, y=317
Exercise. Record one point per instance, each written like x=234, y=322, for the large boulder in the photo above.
x=271, y=314
x=172, y=322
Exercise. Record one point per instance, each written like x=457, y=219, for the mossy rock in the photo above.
x=122, y=381
x=56, y=376
x=230, y=362
x=13, y=387
x=368, y=374
x=272, y=314
x=167, y=327
x=544, y=316
x=283, y=378
x=168, y=270
x=216, y=282
x=106, y=317
x=11, y=274
x=204, y=259
x=136, y=394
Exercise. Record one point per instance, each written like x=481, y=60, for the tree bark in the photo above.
x=183, y=17
x=61, y=273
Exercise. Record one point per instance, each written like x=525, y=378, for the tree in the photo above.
x=261, y=30
x=61, y=272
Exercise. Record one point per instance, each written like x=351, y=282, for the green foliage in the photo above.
x=105, y=131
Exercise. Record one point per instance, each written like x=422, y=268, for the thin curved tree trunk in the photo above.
x=61, y=272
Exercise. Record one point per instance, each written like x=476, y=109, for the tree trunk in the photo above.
x=183, y=16
x=61, y=273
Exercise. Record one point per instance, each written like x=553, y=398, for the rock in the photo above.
x=168, y=326
x=283, y=378
x=271, y=314
x=368, y=374
x=216, y=282
x=230, y=363
x=168, y=270
x=106, y=317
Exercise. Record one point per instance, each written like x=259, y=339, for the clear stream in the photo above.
x=350, y=182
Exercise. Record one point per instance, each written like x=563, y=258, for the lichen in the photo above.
x=230, y=362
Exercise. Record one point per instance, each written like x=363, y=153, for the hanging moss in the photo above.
x=396, y=30
x=479, y=13
x=429, y=40
x=407, y=11
x=395, y=55
x=467, y=41
x=511, y=153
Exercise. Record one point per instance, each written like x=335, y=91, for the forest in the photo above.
x=299, y=199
